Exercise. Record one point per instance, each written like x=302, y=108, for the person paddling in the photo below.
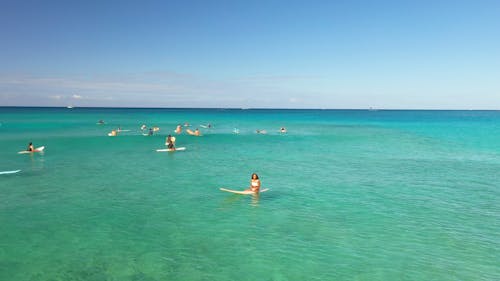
x=178, y=130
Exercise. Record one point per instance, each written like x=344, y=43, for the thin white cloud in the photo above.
x=276, y=78
x=144, y=89
x=168, y=89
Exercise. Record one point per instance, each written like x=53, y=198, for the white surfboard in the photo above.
x=38, y=149
x=9, y=172
x=243, y=192
x=171, y=150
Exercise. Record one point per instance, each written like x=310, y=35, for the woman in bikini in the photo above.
x=254, y=183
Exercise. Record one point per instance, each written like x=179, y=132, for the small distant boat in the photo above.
x=69, y=106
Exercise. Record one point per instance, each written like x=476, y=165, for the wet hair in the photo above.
x=256, y=176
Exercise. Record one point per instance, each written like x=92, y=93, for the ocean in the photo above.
x=354, y=195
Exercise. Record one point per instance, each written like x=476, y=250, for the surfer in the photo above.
x=30, y=147
x=101, y=122
x=254, y=188
x=254, y=183
x=283, y=130
x=197, y=132
x=178, y=130
x=113, y=133
x=170, y=142
x=150, y=132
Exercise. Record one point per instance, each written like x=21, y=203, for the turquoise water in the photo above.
x=354, y=195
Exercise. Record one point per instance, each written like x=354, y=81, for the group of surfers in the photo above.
x=196, y=132
x=170, y=143
x=151, y=131
x=178, y=130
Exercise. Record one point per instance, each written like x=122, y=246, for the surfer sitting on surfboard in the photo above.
x=30, y=147
x=170, y=142
x=253, y=189
x=254, y=183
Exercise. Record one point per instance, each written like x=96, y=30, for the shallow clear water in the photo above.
x=354, y=195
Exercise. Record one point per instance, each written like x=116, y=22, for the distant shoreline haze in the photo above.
x=256, y=108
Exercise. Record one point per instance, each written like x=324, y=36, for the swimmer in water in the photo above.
x=178, y=130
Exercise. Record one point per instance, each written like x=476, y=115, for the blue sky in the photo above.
x=278, y=54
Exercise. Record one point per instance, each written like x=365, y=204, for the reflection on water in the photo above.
x=255, y=199
x=229, y=201
x=37, y=161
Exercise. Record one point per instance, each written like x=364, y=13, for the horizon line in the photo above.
x=246, y=108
